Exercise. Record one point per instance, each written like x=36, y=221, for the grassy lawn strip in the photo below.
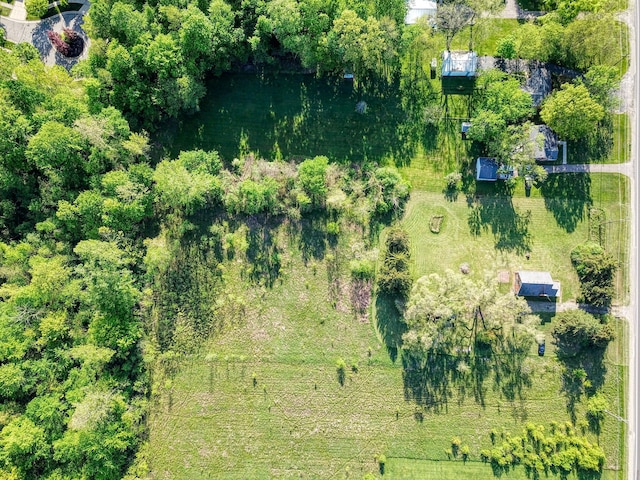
x=621, y=139
x=71, y=7
x=410, y=468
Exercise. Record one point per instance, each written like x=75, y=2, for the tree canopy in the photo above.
x=572, y=112
x=451, y=313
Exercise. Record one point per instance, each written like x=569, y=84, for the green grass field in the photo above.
x=296, y=421
x=262, y=399
x=305, y=116
x=548, y=225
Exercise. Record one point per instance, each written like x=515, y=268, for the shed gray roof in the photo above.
x=536, y=284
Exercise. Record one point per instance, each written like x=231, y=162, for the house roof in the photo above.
x=459, y=64
x=486, y=169
x=419, y=8
x=527, y=276
x=545, y=143
x=465, y=127
x=536, y=284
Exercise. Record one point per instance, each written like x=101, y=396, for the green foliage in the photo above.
x=394, y=277
x=36, y=8
x=311, y=176
x=180, y=190
x=571, y=112
x=561, y=452
x=362, y=269
x=602, y=82
x=388, y=190
x=503, y=96
x=577, y=331
x=23, y=446
x=506, y=47
x=451, y=314
x=596, y=409
x=596, y=269
x=453, y=17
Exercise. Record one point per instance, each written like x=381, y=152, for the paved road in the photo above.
x=622, y=168
x=634, y=358
x=35, y=32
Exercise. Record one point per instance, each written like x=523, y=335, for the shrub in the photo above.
x=388, y=190
x=362, y=269
x=455, y=445
x=341, y=370
x=69, y=43
x=577, y=330
x=394, y=277
x=36, y=8
x=464, y=451
x=312, y=179
x=506, y=47
x=596, y=408
x=596, y=269
x=382, y=460
x=333, y=228
x=453, y=180
x=397, y=240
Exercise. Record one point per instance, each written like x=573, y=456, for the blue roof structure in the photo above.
x=486, y=169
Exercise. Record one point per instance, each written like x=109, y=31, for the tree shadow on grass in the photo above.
x=432, y=380
x=263, y=254
x=596, y=147
x=509, y=227
x=583, y=374
x=312, y=236
x=568, y=197
x=390, y=324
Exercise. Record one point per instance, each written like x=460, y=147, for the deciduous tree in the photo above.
x=571, y=112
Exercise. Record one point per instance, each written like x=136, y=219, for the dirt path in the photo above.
x=19, y=30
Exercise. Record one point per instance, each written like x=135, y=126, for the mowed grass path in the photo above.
x=297, y=421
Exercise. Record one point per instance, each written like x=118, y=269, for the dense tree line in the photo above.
x=97, y=271
x=149, y=59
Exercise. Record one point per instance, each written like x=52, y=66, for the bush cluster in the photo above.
x=596, y=269
x=562, y=452
x=394, y=277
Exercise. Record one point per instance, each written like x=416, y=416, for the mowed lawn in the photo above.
x=262, y=400
x=547, y=225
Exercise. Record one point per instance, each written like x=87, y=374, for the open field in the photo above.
x=262, y=400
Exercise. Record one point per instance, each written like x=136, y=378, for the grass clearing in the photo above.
x=486, y=34
x=620, y=153
x=262, y=399
x=505, y=229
